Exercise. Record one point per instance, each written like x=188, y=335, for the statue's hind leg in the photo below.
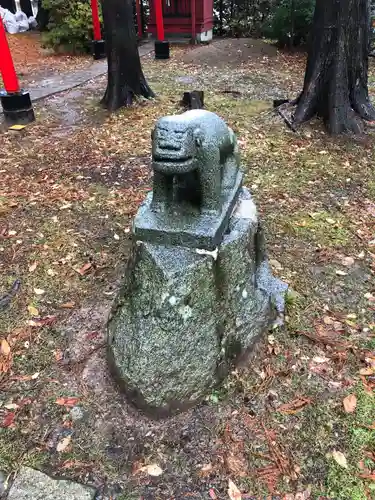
x=231, y=166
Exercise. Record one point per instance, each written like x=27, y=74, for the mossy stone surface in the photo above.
x=183, y=316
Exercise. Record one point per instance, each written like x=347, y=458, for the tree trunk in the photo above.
x=335, y=85
x=125, y=75
x=221, y=17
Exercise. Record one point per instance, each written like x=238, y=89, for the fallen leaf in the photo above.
x=347, y=261
x=68, y=464
x=212, y=494
x=341, y=273
x=233, y=492
x=320, y=359
x=206, y=470
x=366, y=371
x=340, y=458
x=67, y=401
x=84, y=269
x=368, y=476
x=33, y=266
x=92, y=335
x=4, y=347
x=59, y=355
x=338, y=326
x=33, y=311
x=11, y=406
x=327, y=320
x=236, y=464
x=303, y=495
x=350, y=402
x=25, y=378
x=63, y=444
x=39, y=291
x=8, y=419
x=153, y=470
x=137, y=466
x=294, y=406
x=47, y=320
x=271, y=339
x=64, y=207
x=276, y=264
x=68, y=305
x=370, y=427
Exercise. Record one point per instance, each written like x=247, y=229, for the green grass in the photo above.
x=325, y=228
x=345, y=483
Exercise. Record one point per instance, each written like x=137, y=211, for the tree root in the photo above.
x=113, y=101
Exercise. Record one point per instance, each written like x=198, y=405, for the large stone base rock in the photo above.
x=184, y=316
x=31, y=484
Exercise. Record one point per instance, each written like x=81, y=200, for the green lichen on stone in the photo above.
x=182, y=316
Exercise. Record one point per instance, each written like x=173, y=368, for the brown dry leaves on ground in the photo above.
x=32, y=61
x=302, y=408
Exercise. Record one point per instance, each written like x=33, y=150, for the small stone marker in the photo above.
x=193, y=100
x=198, y=291
x=31, y=484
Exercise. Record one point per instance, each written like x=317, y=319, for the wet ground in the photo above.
x=71, y=183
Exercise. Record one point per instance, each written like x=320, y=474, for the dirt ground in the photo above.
x=298, y=421
x=232, y=52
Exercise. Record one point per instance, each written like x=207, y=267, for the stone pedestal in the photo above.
x=185, y=315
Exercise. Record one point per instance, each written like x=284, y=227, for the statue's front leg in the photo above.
x=210, y=182
x=162, y=191
x=230, y=171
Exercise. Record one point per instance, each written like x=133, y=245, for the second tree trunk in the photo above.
x=335, y=85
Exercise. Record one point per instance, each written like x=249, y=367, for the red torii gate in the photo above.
x=161, y=46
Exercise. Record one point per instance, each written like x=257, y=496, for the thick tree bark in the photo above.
x=125, y=75
x=335, y=85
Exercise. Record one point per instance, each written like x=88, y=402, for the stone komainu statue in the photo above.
x=198, y=291
x=197, y=143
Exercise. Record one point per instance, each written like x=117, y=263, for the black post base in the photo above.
x=193, y=100
x=98, y=49
x=279, y=102
x=161, y=49
x=17, y=107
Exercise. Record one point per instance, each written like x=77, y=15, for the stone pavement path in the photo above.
x=59, y=83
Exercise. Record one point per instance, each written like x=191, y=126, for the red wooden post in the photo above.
x=7, y=70
x=139, y=18
x=98, y=46
x=193, y=21
x=161, y=45
x=159, y=20
x=16, y=103
x=95, y=19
